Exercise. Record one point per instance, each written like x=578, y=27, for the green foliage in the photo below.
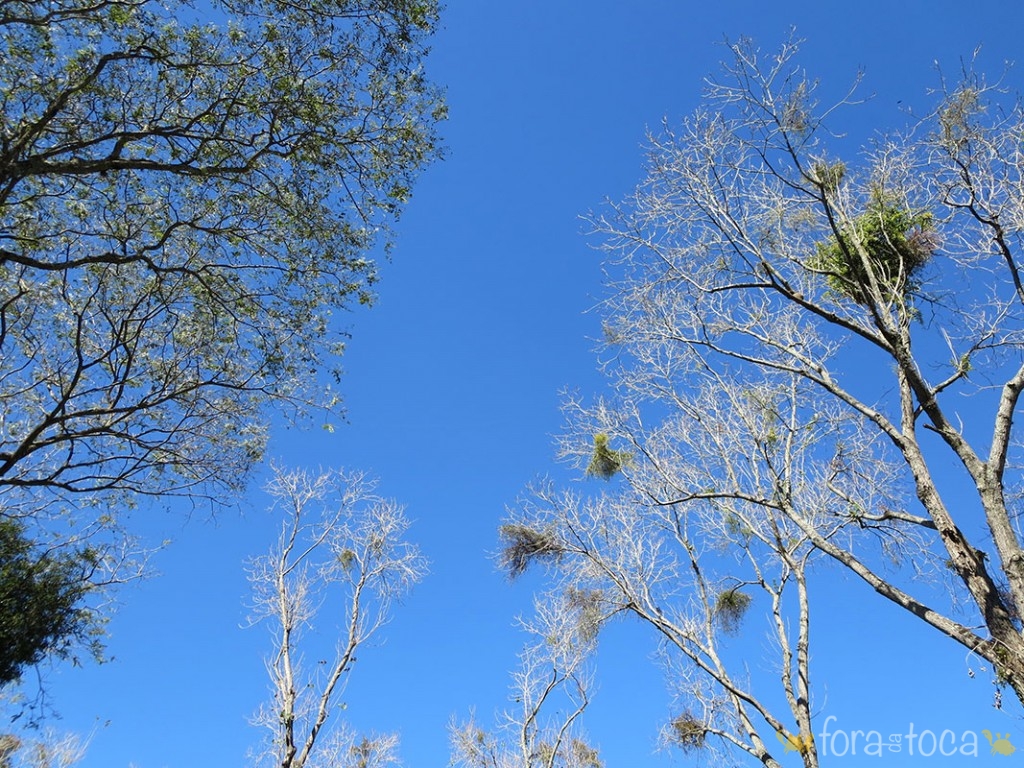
x=185, y=205
x=605, y=462
x=894, y=241
x=523, y=545
x=795, y=115
x=41, y=602
x=730, y=607
x=688, y=732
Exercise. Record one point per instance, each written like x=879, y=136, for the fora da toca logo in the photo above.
x=839, y=742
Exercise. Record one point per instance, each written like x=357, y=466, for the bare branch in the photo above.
x=340, y=545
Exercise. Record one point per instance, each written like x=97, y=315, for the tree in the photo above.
x=341, y=549
x=551, y=691
x=48, y=750
x=793, y=328
x=692, y=577
x=40, y=602
x=186, y=197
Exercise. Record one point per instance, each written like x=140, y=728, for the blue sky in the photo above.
x=453, y=388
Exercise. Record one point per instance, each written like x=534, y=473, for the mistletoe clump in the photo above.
x=524, y=545
x=689, y=732
x=888, y=243
x=730, y=607
x=605, y=462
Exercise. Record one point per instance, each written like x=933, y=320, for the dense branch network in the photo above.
x=791, y=334
x=187, y=199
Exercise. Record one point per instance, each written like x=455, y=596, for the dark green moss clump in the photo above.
x=42, y=596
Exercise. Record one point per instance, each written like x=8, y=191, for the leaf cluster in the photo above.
x=887, y=245
x=730, y=607
x=184, y=206
x=42, y=595
x=606, y=462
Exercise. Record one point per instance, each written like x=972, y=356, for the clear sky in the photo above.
x=453, y=396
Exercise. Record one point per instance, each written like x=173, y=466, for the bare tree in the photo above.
x=792, y=332
x=340, y=562
x=186, y=199
x=693, y=562
x=550, y=690
x=755, y=254
x=45, y=750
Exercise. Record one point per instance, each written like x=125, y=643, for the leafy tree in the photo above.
x=40, y=596
x=186, y=198
x=793, y=332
